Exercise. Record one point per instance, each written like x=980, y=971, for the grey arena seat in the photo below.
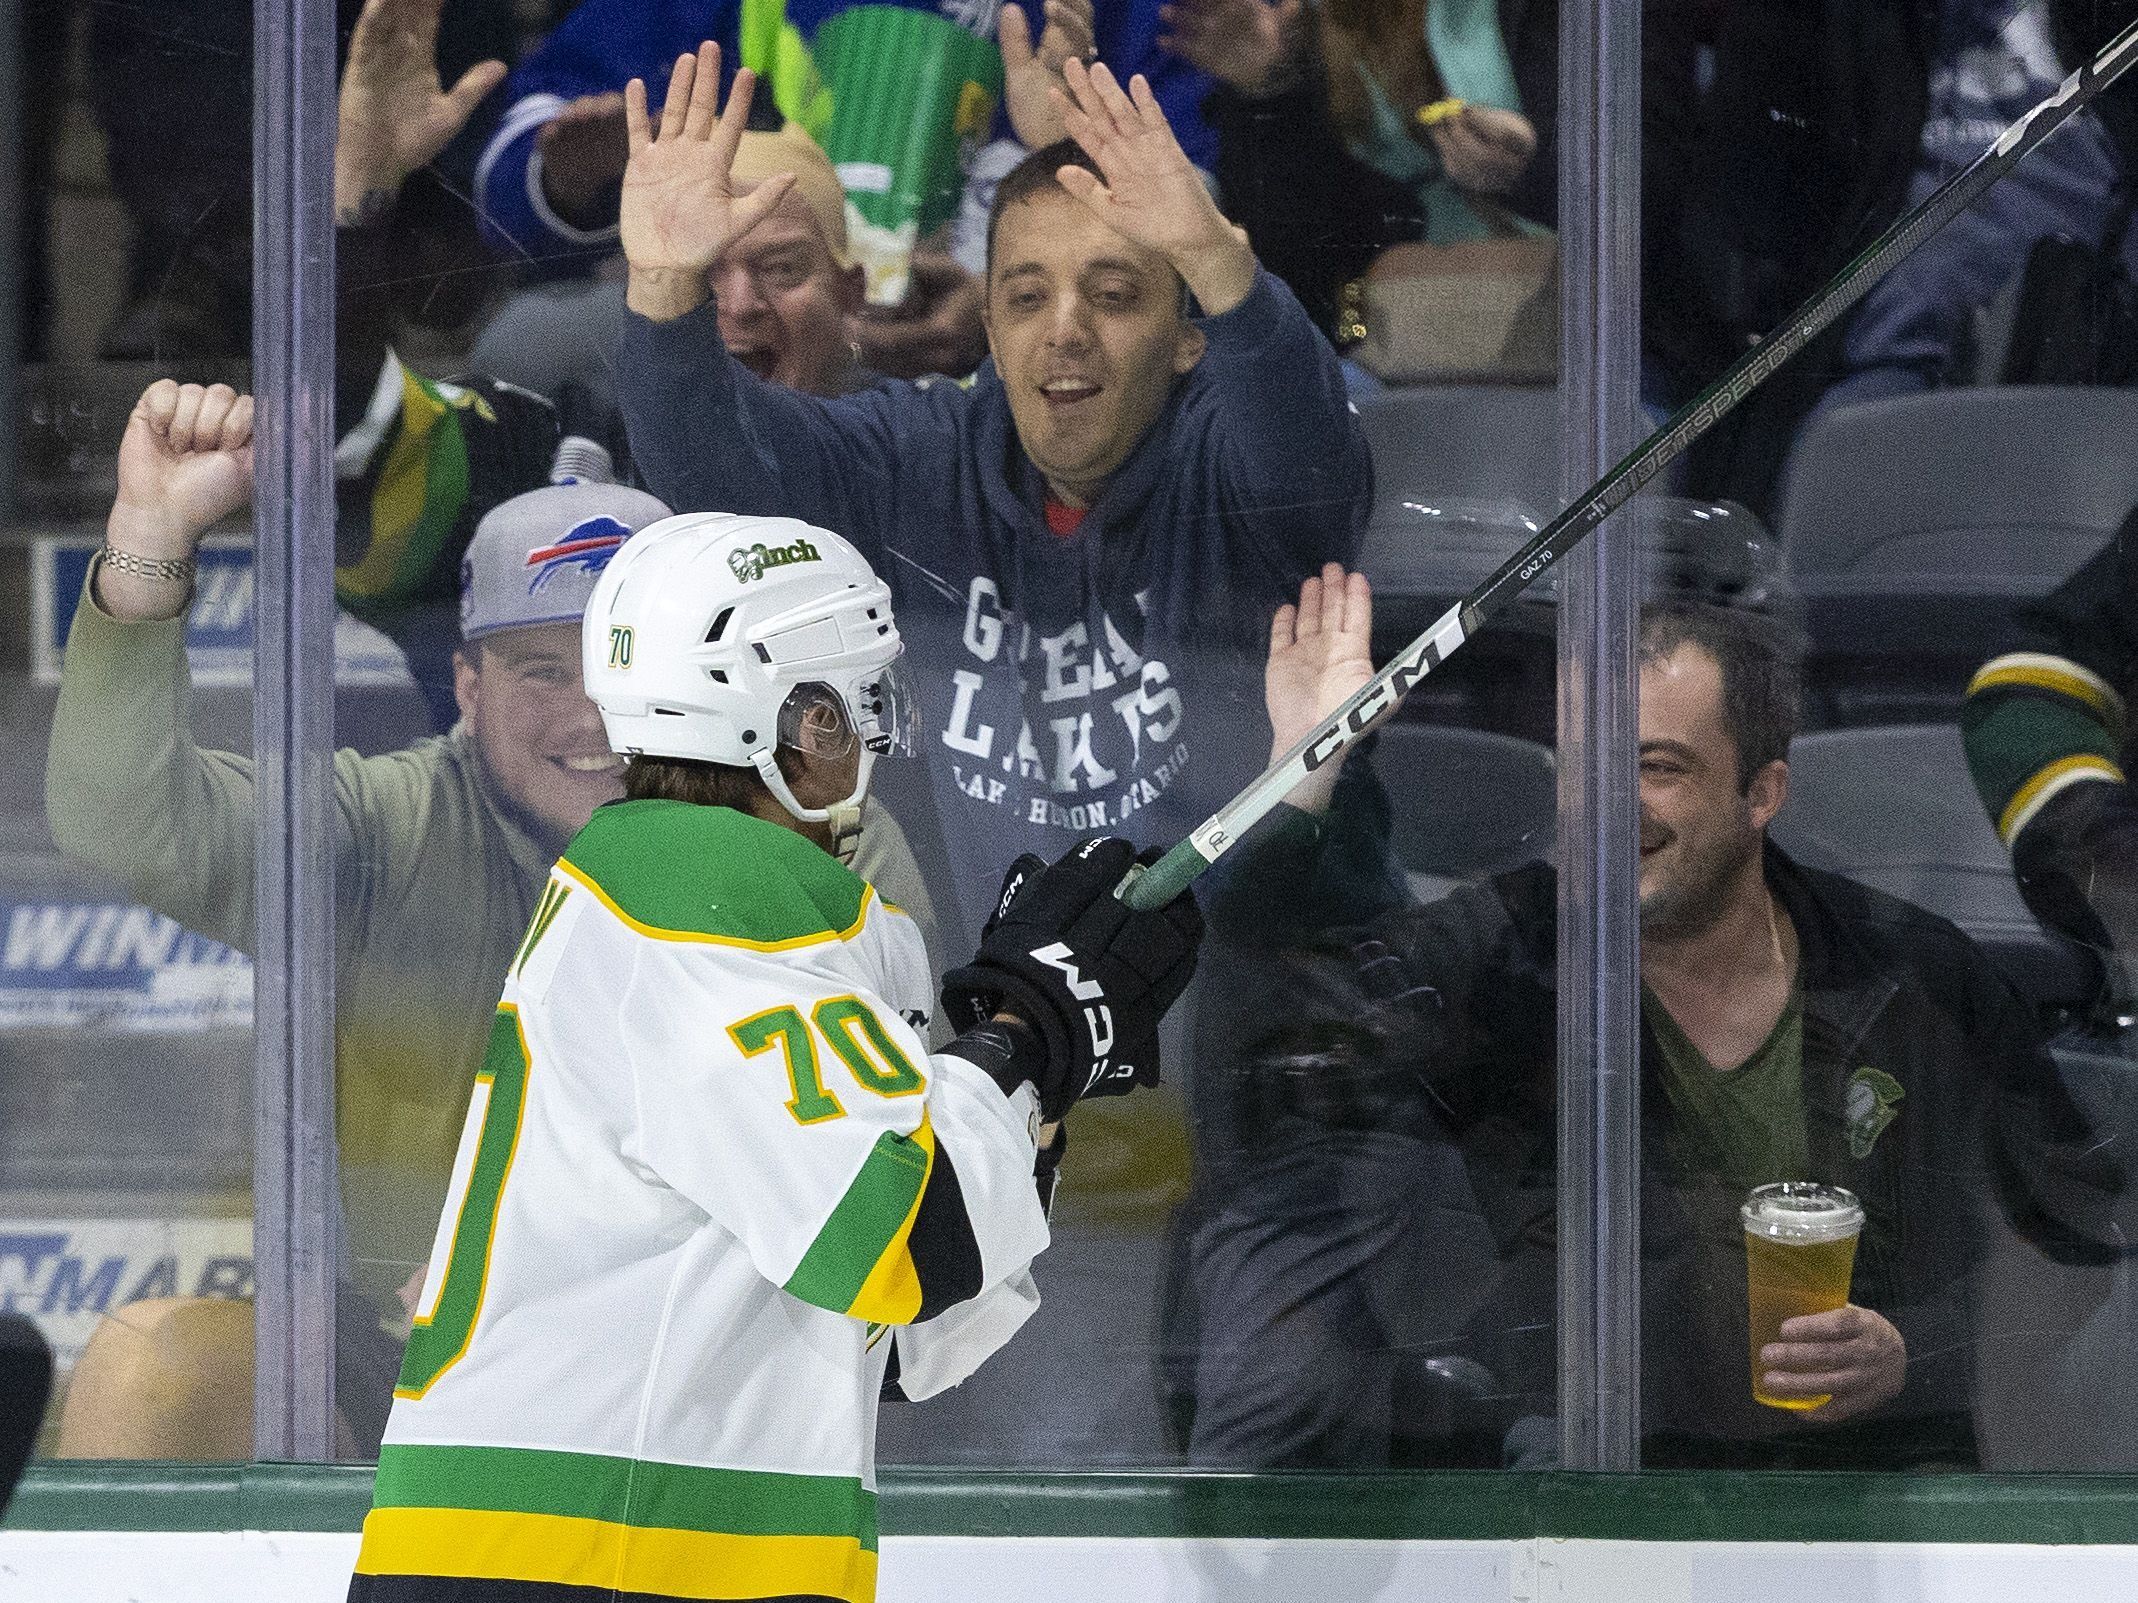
x=1467, y=802
x=1462, y=474
x=1469, y=444
x=1912, y=526
x=1893, y=808
x=1465, y=439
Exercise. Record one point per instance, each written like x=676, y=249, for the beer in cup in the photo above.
x=1800, y=1247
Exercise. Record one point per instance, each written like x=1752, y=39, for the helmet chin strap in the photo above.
x=842, y=817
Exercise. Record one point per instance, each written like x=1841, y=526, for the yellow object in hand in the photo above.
x=1439, y=111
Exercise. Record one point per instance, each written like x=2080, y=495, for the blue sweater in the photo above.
x=603, y=44
x=1108, y=681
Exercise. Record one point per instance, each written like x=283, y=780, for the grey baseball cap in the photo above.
x=534, y=559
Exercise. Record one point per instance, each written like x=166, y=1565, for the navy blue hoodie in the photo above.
x=1107, y=681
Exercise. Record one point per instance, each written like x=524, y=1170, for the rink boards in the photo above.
x=284, y=1533
x=311, y=1568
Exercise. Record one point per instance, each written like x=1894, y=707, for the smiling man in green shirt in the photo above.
x=1398, y=1208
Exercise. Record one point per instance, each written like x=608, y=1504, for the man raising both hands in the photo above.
x=1087, y=543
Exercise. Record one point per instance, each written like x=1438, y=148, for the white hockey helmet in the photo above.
x=721, y=638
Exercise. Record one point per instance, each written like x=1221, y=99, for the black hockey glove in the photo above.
x=1086, y=971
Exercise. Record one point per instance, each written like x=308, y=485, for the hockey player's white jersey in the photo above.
x=707, y=1162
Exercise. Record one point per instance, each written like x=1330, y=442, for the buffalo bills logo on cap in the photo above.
x=586, y=548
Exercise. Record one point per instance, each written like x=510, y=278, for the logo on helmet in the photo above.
x=753, y=561
x=587, y=548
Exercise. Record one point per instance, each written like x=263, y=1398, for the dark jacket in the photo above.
x=1107, y=681
x=1417, y=1082
x=1915, y=322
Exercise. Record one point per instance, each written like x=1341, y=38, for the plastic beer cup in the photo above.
x=1800, y=1248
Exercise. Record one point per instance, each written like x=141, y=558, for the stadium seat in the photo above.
x=1470, y=447
x=1914, y=525
x=1465, y=439
x=1462, y=476
x=167, y=1378
x=1893, y=808
x=1467, y=802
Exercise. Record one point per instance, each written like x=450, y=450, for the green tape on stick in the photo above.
x=1149, y=888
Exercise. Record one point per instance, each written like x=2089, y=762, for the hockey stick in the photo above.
x=1381, y=695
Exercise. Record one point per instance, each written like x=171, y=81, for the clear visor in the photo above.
x=889, y=713
x=884, y=716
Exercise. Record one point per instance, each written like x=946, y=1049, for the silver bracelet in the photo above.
x=180, y=568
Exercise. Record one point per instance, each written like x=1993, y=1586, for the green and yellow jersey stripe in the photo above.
x=677, y=872
x=596, y=1520
x=861, y=1262
x=417, y=499
x=2060, y=676
x=439, y=1336
x=2035, y=725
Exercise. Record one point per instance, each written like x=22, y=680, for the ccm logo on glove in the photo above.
x=1098, y=1020
x=1089, y=976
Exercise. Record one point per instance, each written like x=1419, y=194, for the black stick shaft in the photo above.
x=1377, y=700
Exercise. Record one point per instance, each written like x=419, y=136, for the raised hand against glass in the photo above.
x=681, y=208
x=184, y=464
x=1147, y=190
x=394, y=112
x=1030, y=73
x=1320, y=652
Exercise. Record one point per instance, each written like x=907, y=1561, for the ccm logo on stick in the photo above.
x=1358, y=720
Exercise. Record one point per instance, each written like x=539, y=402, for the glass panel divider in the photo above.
x=294, y=1184
x=1598, y=731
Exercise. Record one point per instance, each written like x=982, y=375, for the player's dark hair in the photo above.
x=1761, y=655
x=702, y=784
x=1035, y=175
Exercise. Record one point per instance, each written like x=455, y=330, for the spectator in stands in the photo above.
x=549, y=177
x=1777, y=137
x=440, y=850
x=421, y=461
x=1399, y=1219
x=787, y=297
x=1995, y=60
x=417, y=462
x=166, y=84
x=2047, y=743
x=1325, y=151
x=1086, y=544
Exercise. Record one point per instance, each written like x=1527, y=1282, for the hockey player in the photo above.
x=710, y=1163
